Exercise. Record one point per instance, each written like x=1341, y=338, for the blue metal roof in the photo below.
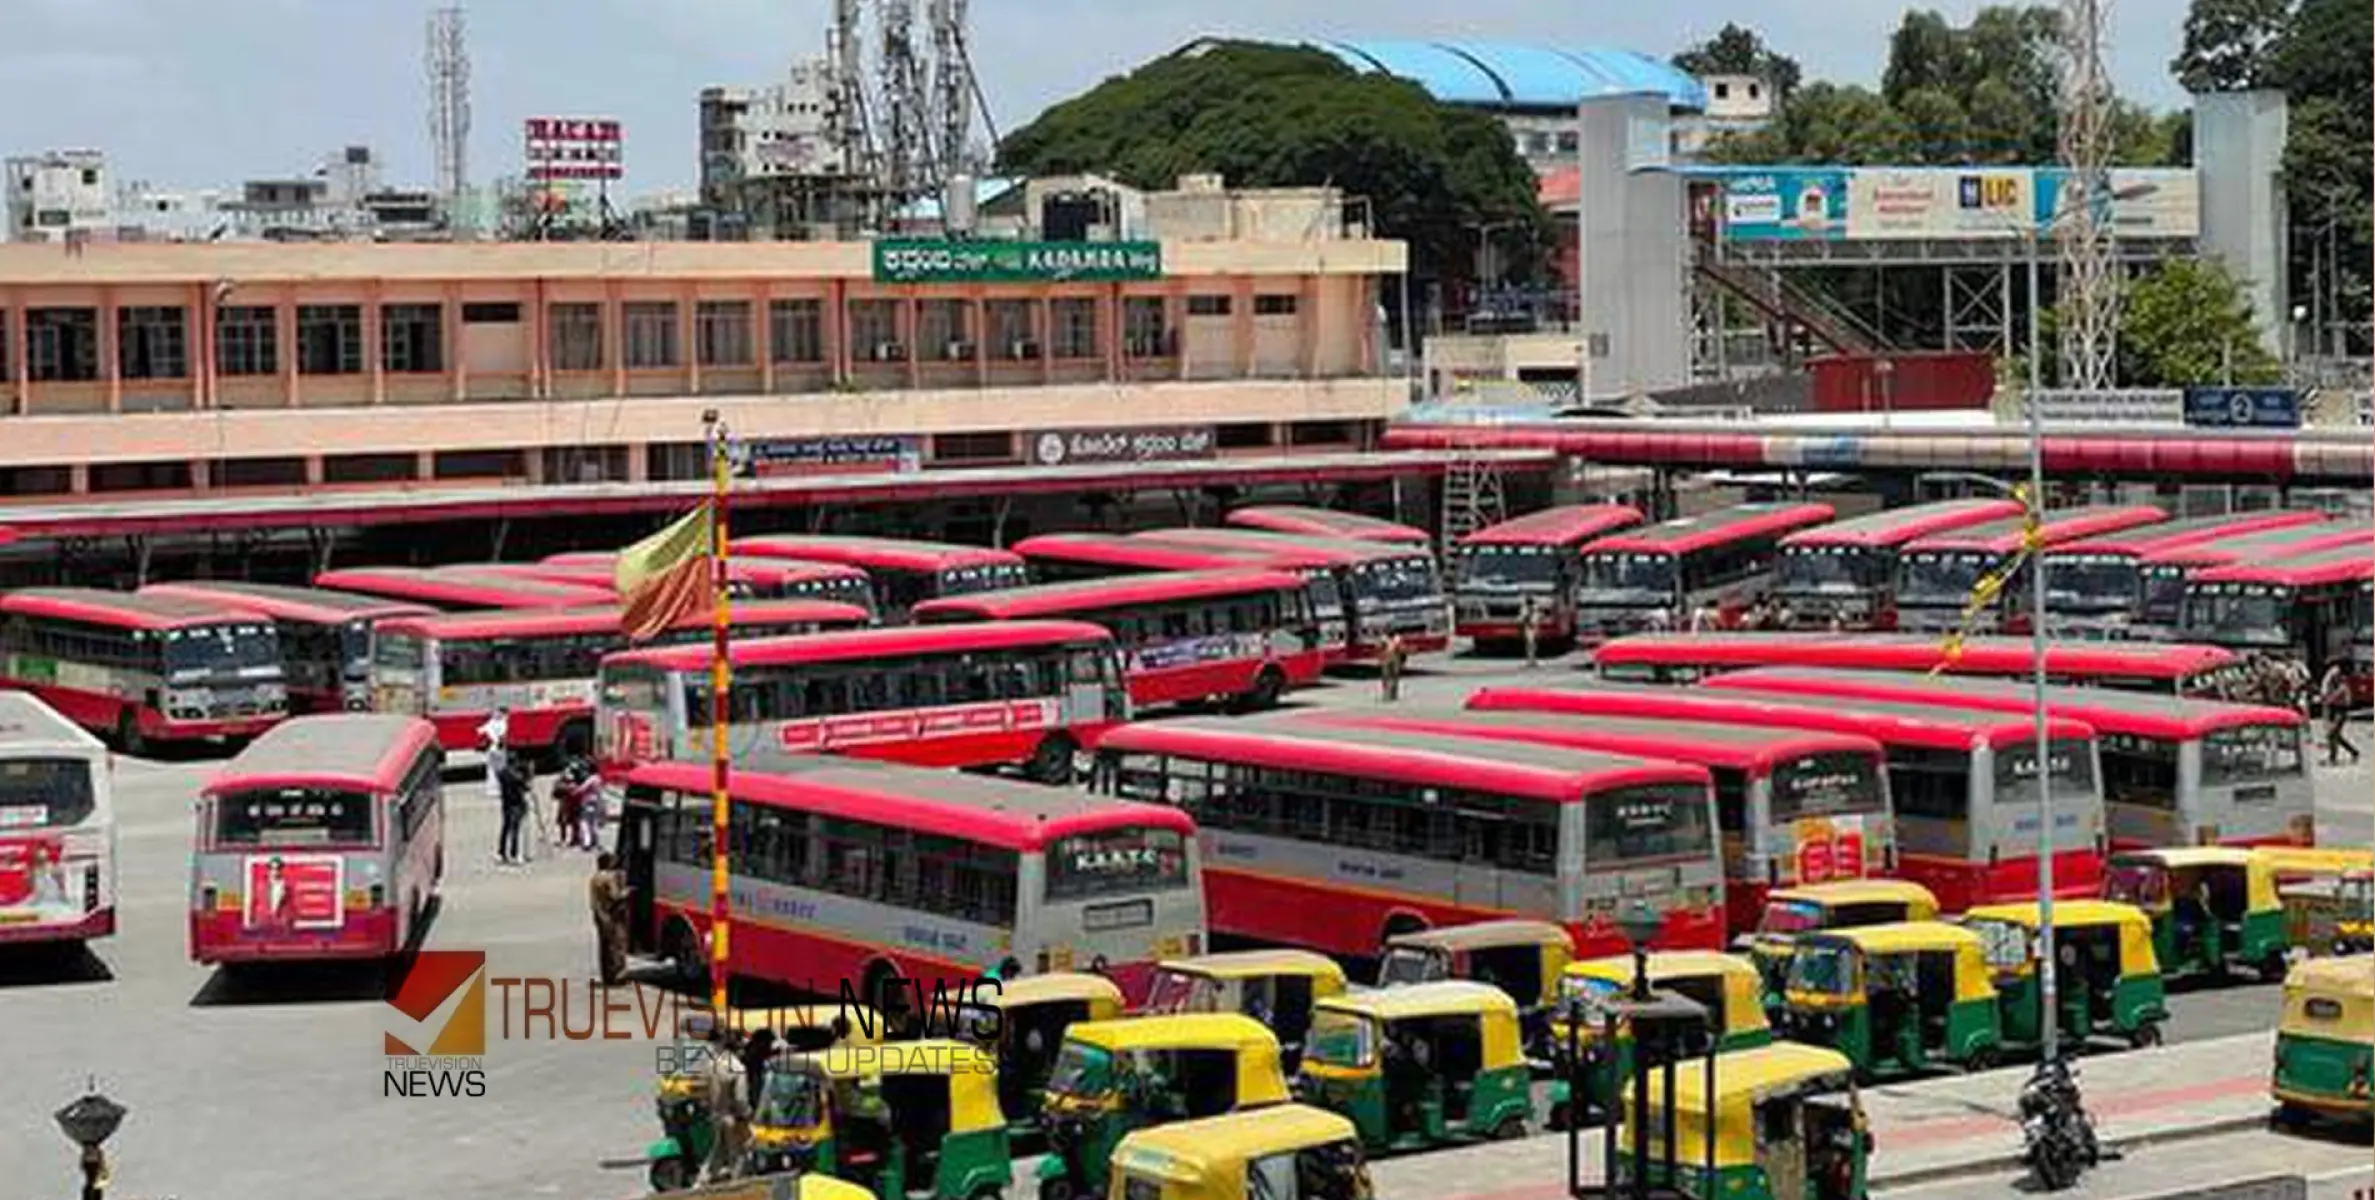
x=1503, y=75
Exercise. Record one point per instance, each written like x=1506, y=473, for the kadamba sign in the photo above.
x=1159, y=444
x=909, y=260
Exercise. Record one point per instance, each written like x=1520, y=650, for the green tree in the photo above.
x=1738, y=51
x=2323, y=63
x=1923, y=54
x=1938, y=131
x=2188, y=322
x=2228, y=44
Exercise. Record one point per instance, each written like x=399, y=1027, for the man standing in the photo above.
x=511, y=784
x=729, y=1104
x=494, y=740
x=606, y=894
x=1389, y=667
x=1528, y=615
x=2333, y=693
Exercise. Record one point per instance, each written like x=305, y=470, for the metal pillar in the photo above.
x=1978, y=307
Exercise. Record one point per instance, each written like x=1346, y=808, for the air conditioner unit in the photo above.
x=889, y=352
x=958, y=351
x=1022, y=348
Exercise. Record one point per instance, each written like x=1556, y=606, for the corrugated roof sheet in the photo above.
x=1504, y=75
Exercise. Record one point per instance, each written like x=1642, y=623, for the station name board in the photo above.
x=910, y=260
x=1153, y=444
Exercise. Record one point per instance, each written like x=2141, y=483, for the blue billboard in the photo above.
x=2243, y=407
x=1785, y=203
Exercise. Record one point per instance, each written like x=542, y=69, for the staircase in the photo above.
x=1770, y=291
x=1471, y=498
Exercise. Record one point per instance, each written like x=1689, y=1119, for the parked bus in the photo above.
x=1792, y=806
x=1387, y=589
x=1072, y=557
x=1325, y=522
x=57, y=827
x=324, y=839
x=2302, y=606
x=456, y=669
x=1659, y=575
x=2175, y=772
x=1845, y=573
x=1935, y=574
x=2166, y=572
x=325, y=636
x=2096, y=588
x=1337, y=839
x=861, y=872
x=1539, y=556
x=2170, y=670
x=749, y=578
x=902, y=573
x=144, y=669
x=462, y=588
x=1007, y=693
x=1185, y=637
x=1962, y=784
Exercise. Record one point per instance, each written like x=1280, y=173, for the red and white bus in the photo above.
x=325, y=636
x=1539, y=556
x=1185, y=637
x=1386, y=588
x=144, y=668
x=861, y=872
x=1845, y=573
x=903, y=573
x=2301, y=605
x=2175, y=772
x=1962, y=784
x=2166, y=572
x=324, y=839
x=749, y=578
x=57, y=827
x=2170, y=670
x=1012, y=693
x=2096, y=588
x=456, y=669
x=462, y=589
x=1337, y=838
x=1305, y=521
x=1792, y=806
x=1657, y=576
x=1073, y=557
x=1935, y=574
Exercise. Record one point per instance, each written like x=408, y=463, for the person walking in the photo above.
x=1529, y=617
x=728, y=1097
x=494, y=741
x=2333, y=693
x=589, y=807
x=607, y=894
x=1389, y=667
x=512, y=785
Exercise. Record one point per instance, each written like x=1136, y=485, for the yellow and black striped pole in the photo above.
x=721, y=680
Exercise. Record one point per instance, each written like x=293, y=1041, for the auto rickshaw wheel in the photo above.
x=2145, y=1036
x=1511, y=1128
x=673, y=1174
x=1982, y=1059
x=2274, y=967
x=1558, y=1116
x=1056, y=1189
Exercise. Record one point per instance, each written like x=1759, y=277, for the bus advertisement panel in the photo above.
x=1843, y=575
x=1661, y=576
x=57, y=827
x=1538, y=557
x=1935, y=575
x=144, y=668
x=325, y=636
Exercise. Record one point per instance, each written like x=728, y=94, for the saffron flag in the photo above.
x=664, y=578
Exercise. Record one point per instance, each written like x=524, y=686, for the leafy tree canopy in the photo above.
x=2188, y=323
x=2227, y=44
x=1738, y=51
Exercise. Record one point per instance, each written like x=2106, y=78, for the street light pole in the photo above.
x=2047, y=997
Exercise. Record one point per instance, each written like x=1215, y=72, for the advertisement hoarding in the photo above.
x=836, y=455
x=574, y=148
x=1960, y=203
x=1887, y=203
x=1785, y=203
x=2163, y=202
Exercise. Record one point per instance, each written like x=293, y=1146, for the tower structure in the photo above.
x=2083, y=230
x=907, y=132
x=850, y=130
x=952, y=89
x=448, y=61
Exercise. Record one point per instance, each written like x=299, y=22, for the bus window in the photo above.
x=1116, y=862
x=2250, y=754
x=2016, y=771
x=306, y=816
x=1816, y=785
x=44, y=793
x=2137, y=770
x=1629, y=824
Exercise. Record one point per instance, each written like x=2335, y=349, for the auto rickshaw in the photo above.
x=1023, y=1023
x=1114, y=1077
x=1291, y=1150
x=1895, y=999
x=2110, y=983
x=685, y=1133
x=1845, y=904
x=902, y=1118
x=1784, y=1123
x=2328, y=896
x=2326, y=1040
x=1723, y=984
x=2212, y=907
x=1523, y=958
x=825, y=1187
x=1274, y=987
x=1421, y=1065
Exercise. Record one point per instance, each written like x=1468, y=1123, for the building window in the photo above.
x=1142, y=327
x=1075, y=333
x=246, y=340
x=1567, y=142
x=874, y=331
x=151, y=343
x=651, y=335
x=1011, y=328
x=1723, y=91
x=330, y=339
x=412, y=338
x=797, y=330
x=1209, y=304
x=574, y=340
x=491, y=313
x=1274, y=304
x=721, y=332
x=140, y=477
x=62, y=344
x=942, y=329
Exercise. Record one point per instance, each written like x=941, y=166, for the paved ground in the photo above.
x=276, y=1088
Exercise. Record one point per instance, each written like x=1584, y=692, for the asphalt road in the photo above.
x=276, y=1087
x=2335, y=1167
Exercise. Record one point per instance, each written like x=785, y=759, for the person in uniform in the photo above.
x=729, y=1105
x=606, y=895
x=1389, y=667
x=1529, y=615
x=2333, y=694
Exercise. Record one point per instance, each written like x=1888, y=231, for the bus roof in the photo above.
x=2192, y=531
x=461, y=586
x=1064, y=599
x=1018, y=816
x=871, y=643
x=1909, y=652
x=1707, y=743
x=286, y=602
x=1566, y=525
x=2107, y=709
x=902, y=554
x=1897, y=526
x=742, y=568
x=345, y=751
x=1293, y=549
x=1140, y=554
x=524, y=622
x=27, y=724
x=2268, y=543
x=2334, y=564
x=1538, y=773
x=1685, y=534
x=123, y=610
x=2059, y=526
x=1909, y=724
x=1325, y=522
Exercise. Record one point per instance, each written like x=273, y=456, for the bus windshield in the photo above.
x=1624, y=573
x=1340, y=1039
x=2016, y=770
x=2164, y=593
x=1509, y=566
x=1656, y=821
x=1942, y=576
x=1396, y=579
x=988, y=577
x=397, y=652
x=225, y=649
x=292, y=817
x=1826, y=970
x=2249, y=614
x=44, y=793
x=1806, y=569
x=354, y=649
x=1116, y=862
x=2091, y=583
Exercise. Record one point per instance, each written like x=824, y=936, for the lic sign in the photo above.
x=2243, y=407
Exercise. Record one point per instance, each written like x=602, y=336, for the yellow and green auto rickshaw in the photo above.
x=1895, y=999
x=901, y=1118
x=2328, y=897
x=1783, y=1122
x=1524, y=958
x=1723, y=984
x=1291, y=1150
x=1114, y=1077
x=1274, y=987
x=2110, y=982
x=1814, y=907
x=2325, y=1042
x=676, y=1158
x=1421, y=1065
x=1023, y=1021
x=2212, y=907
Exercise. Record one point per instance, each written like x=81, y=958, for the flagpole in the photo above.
x=721, y=679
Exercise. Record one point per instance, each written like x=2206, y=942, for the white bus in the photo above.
x=57, y=827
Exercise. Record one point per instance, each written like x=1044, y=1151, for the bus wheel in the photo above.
x=1267, y=688
x=1051, y=763
x=682, y=950
x=128, y=737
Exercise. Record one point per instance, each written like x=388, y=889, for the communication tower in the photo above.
x=2089, y=279
x=449, y=108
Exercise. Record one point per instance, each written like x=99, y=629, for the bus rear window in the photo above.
x=292, y=817
x=44, y=793
x=396, y=651
x=1116, y=862
x=1815, y=785
x=1660, y=821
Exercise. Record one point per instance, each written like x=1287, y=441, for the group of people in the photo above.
x=2282, y=681
x=577, y=795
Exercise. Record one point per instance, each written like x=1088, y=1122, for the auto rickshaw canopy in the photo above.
x=1260, y=1078
x=1741, y=987
x=2315, y=860
x=1486, y=935
x=1743, y=1079
x=1971, y=981
x=1214, y=1150
x=2331, y=998
x=971, y=1071
x=1495, y=1012
x=1254, y=964
x=1920, y=903
x=859, y=1024
x=1103, y=996
x=2259, y=876
x=2136, y=955
x=814, y=1186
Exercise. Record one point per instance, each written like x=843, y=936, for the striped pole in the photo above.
x=721, y=678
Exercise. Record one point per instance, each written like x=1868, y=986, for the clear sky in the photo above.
x=208, y=92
